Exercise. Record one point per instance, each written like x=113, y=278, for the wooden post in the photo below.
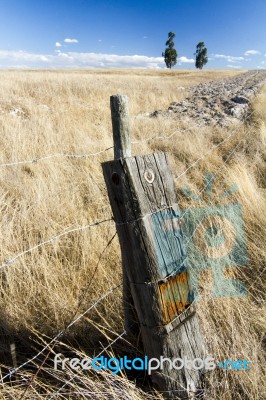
x=121, y=126
x=143, y=200
x=122, y=149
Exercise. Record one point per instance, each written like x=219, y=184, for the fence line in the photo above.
x=53, y=238
x=59, y=155
x=152, y=138
x=102, y=297
x=35, y=160
x=124, y=332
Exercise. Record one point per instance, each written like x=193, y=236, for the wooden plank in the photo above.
x=142, y=195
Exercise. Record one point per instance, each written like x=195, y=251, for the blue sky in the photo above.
x=126, y=33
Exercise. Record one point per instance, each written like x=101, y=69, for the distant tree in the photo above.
x=170, y=53
x=201, y=55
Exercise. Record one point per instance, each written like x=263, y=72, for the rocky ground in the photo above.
x=217, y=102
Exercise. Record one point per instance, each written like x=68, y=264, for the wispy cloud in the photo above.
x=252, y=53
x=234, y=66
x=68, y=40
x=145, y=37
x=58, y=44
x=83, y=60
x=230, y=59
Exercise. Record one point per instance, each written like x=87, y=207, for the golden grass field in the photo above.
x=45, y=113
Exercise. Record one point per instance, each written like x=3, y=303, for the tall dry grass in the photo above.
x=42, y=291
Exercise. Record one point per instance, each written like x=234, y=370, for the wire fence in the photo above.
x=10, y=261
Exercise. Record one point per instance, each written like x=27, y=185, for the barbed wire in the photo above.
x=98, y=355
x=214, y=147
x=72, y=321
x=52, y=239
x=161, y=137
x=36, y=159
x=10, y=261
x=12, y=372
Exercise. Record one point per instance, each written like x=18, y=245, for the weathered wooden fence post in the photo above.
x=143, y=200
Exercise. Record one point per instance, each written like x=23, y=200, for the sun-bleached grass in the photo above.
x=67, y=112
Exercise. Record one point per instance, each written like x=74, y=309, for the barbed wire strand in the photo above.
x=161, y=137
x=214, y=147
x=152, y=138
x=59, y=155
x=81, y=301
x=51, y=240
x=12, y=372
x=36, y=159
x=98, y=355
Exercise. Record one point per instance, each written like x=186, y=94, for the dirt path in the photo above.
x=220, y=102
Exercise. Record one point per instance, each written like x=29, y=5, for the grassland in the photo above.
x=59, y=113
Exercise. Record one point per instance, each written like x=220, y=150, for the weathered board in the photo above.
x=149, y=256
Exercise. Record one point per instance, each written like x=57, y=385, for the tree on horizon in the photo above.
x=201, y=55
x=170, y=53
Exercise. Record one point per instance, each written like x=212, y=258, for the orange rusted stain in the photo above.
x=175, y=295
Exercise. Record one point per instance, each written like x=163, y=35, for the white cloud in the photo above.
x=58, y=44
x=252, y=52
x=234, y=66
x=67, y=40
x=77, y=60
x=231, y=59
x=83, y=60
x=20, y=55
x=184, y=59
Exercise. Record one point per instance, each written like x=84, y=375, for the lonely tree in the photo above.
x=201, y=55
x=170, y=53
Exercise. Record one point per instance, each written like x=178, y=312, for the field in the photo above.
x=55, y=267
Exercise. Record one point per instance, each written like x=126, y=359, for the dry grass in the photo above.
x=49, y=112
